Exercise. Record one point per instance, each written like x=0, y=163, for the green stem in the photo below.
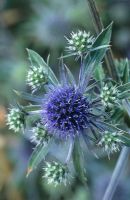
x=109, y=61
x=120, y=166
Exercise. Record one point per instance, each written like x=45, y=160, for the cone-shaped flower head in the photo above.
x=36, y=77
x=111, y=141
x=109, y=95
x=56, y=173
x=15, y=119
x=80, y=42
x=40, y=134
x=66, y=112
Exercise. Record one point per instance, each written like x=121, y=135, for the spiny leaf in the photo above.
x=32, y=108
x=37, y=156
x=99, y=73
x=95, y=57
x=124, y=95
x=69, y=55
x=103, y=39
x=124, y=87
x=125, y=77
x=28, y=96
x=70, y=75
x=125, y=140
x=109, y=127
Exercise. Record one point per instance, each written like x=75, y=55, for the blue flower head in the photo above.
x=66, y=111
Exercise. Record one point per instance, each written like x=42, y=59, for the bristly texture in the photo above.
x=80, y=42
x=15, y=119
x=111, y=142
x=109, y=95
x=40, y=135
x=56, y=173
x=36, y=77
x=66, y=112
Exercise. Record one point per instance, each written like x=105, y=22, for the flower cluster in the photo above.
x=36, y=77
x=109, y=95
x=15, y=119
x=56, y=173
x=40, y=134
x=80, y=42
x=111, y=141
x=70, y=111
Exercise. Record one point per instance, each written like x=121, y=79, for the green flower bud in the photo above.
x=56, y=173
x=80, y=42
x=36, y=77
x=109, y=95
x=111, y=141
x=15, y=119
x=40, y=134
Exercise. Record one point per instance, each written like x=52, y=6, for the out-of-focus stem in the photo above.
x=70, y=151
x=120, y=166
x=109, y=62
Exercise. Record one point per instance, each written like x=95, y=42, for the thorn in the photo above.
x=29, y=170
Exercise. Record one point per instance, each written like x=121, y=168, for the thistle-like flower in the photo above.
x=40, y=134
x=69, y=111
x=66, y=112
x=109, y=95
x=80, y=42
x=56, y=173
x=15, y=119
x=36, y=77
x=111, y=141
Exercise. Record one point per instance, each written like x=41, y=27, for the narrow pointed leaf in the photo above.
x=78, y=160
x=103, y=39
x=99, y=73
x=70, y=76
x=32, y=108
x=125, y=77
x=28, y=96
x=94, y=58
x=124, y=95
x=37, y=156
x=69, y=55
x=125, y=140
x=124, y=87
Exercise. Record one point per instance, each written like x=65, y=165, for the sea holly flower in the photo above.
x=56, y=173
x=36, y=77
x=15, y=119
x=80, y=42
x=111, y=141
x=109, y=95
x=69, y=112
x=66, y=111
x=40, y=134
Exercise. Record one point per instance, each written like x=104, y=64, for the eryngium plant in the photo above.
x=69, y=112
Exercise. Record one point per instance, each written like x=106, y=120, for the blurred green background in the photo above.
x=41, y=25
